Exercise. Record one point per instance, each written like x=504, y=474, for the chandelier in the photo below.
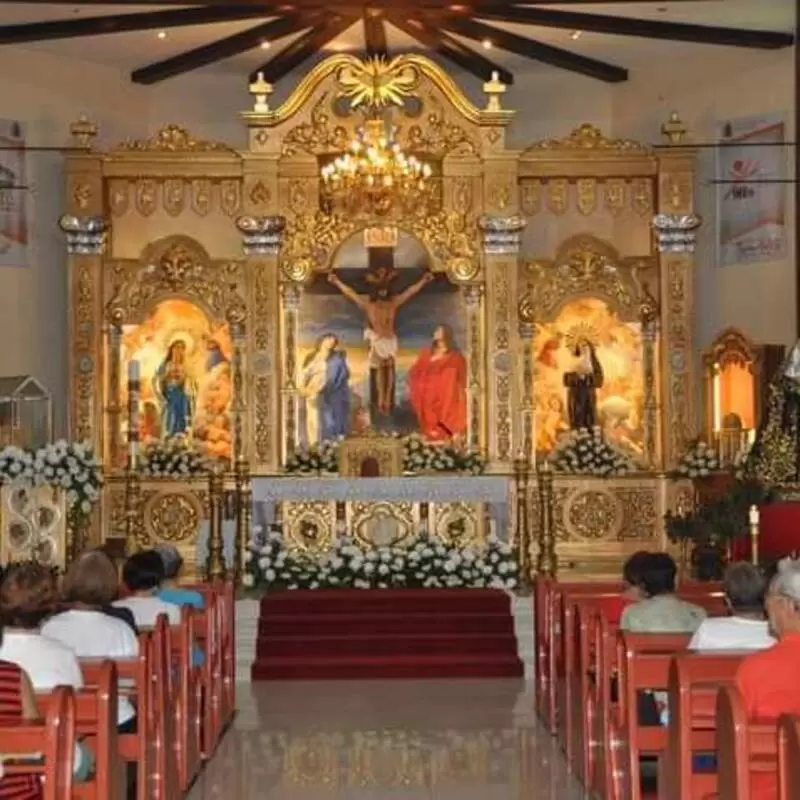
x=374, y=174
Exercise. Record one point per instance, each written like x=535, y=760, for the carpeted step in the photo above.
x=371, y=667
x=413, y=601
x=366, y=622
x=385, y=643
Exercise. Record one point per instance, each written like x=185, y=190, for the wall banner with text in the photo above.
x=751, y=199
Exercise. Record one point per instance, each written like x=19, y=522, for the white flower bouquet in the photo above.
x=315, y=459
x=588, y=452
x=422, y=563
x=72, y=466
x=699, y=461
x=172, y=458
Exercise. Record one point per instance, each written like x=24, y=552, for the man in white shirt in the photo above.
x=143, y=574
x=746, y=628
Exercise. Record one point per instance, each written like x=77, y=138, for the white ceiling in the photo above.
x=128, y=51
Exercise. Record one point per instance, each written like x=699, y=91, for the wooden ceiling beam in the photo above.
x=451, y=49
x=304, y=47
x=627, y=26
x=537, y=51
x=221, y=49
x=375, y=33
x=121, y=23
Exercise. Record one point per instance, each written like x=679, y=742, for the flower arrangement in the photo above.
x=172, y=459
x=587, y=452
x=422, y=563
x=419, y=455
x=71, y=466
x=699, y=461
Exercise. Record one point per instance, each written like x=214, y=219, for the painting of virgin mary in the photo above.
x=176, y=390
x=325, y=385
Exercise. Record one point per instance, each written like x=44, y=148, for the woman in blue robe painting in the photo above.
x=325, y=384
x=175, y=388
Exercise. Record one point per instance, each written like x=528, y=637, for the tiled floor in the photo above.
x=399, y=740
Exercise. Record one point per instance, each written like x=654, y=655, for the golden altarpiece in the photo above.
x=188, y=252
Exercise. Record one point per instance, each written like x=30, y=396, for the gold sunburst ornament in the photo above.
x=580, y=333
x=377, y=83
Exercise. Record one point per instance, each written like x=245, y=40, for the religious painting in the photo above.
x=184, y=366
x=13, y=195
x=381, y=345
x=752, y=165
x=589, y=372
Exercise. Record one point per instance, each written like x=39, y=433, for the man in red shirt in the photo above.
x=768, y=680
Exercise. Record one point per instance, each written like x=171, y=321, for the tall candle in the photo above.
x=134, y=387
x=755, y=515
x=134, y=370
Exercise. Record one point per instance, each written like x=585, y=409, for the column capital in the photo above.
x=86, y=235
x=676, y=233
x=502, y=235
x=261, y=235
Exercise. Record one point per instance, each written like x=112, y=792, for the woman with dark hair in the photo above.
x=614, y=607
x=582, y=382
x=143, y=575
x=437, y=388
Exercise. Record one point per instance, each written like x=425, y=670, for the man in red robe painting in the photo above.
x=437, y=386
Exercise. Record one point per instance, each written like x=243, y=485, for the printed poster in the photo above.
x=751, y=196
x=13, y=195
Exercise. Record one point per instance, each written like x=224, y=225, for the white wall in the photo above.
x=706, y=91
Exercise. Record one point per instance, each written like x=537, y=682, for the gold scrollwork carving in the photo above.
x=174, y=196
x=173, y=516
x=557, y=196
x=201, y=196
x=382, y=523
x=588, y=137
x=593, y=515
x=614, y=196
x=457, y=524
x=462, y=195
x=173, y=139
x=316, y=135
x=84, y=361
x=376, y=83
x=298, y=195
x=259, y=195
x=642, y=197
x=440, y=136
x=230, y=196
x=146, y=197
x=499, y=194
x=640, y=517
x=531, y=197
x=584, y=265
x=81, y=195
x=310, y=525
x=119, y=193
x=587, y=196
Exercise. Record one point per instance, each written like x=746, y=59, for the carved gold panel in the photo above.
x=309, y=525
x=458, y=524
x=381, y=523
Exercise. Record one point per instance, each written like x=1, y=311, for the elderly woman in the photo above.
x=768, y=679
x=90, y=585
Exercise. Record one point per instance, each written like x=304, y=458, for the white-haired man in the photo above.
x=768, y=680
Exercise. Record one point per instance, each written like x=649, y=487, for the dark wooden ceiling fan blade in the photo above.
x=219, y=50
x=375, y=33
x=305, y=46
x=122, y=23
x=628, y=26
x=450, y=48
x=538, y=51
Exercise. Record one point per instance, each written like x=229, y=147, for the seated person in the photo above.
x=125, y=614
x=28, y=594
x=661, y=610
x=170, y=591
x=90, y=586
x=612, y=608
x=768, y=680
x=746, y=628
x=142, y=575
x=17, y=703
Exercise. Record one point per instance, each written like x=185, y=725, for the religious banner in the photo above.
x=751, y=198
x=13, y=194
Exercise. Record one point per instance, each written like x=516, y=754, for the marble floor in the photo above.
x=398, y=740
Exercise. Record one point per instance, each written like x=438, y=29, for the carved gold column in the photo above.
x=546, y=558
x=472, y=299
x=244, y=511
x=113, y=409
x=290, y=294
x=526, y=329
x=133, y=518
x=522, y=474
x=215, y=560
x=675, y=225
x=649, y=319
x=501, y=245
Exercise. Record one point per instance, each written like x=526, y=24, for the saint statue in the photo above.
x=582, y=382
x=325, y=384
x=176, y=390
x=775, y=456
x=437, y=388
x=380, y=308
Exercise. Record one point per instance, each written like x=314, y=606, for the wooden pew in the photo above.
x=694, y=679
x=189, y=698
x=54, y=739
x=643, y=661
x=745, y=750
x=96, y=726
x=789, y=756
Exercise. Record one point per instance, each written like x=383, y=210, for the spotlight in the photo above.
x=264, y=45
x=487, y=44
x=575, y=35
x=162, y=34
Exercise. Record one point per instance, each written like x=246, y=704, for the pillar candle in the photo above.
x=755, y=515
x=134, y=387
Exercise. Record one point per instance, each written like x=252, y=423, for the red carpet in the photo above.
x=386, y=633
